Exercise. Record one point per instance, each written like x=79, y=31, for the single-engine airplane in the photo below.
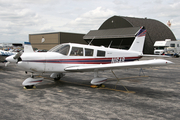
x=71, y=57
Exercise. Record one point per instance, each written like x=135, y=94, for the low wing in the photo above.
x=122, y=65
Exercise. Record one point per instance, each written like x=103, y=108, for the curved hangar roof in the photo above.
x=118, y=27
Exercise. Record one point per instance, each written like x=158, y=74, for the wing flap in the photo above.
x=122, y=65
x=162, y=56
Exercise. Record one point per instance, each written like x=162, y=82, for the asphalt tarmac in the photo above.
x=154, y=95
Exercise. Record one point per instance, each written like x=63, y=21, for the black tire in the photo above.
x=59, y=77
x=29, y=87
x=56, y=79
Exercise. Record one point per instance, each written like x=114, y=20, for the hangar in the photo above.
x=49, y=40
x=121, y=31
x=118, y=31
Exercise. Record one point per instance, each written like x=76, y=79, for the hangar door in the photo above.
x=120, y=38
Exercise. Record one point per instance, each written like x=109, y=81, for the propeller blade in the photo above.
x=7, y=63
x=17, y=55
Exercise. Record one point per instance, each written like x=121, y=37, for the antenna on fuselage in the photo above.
x=120, y=43
x=110, y=44
x=91, y=41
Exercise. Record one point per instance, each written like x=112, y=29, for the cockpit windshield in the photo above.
x=63, y=49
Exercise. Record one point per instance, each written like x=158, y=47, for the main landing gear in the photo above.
x=57, y=76
x=97, y=82
x=31, y=81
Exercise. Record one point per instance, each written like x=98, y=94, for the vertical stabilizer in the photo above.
x=138, y=42
x=28, y=47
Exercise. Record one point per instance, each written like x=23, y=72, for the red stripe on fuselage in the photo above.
x=84, y=60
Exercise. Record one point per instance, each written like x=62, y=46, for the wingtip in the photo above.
x=169, y=62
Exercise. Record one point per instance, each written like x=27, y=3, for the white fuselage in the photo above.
x=54, y=61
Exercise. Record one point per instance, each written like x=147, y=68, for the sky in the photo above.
x=19, y=18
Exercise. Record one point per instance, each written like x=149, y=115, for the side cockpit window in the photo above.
x=76, y=51
x=101, y=53
x=63, y=49
x=89, y=52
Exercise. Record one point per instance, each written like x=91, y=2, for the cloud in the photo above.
x=47, y=28
x=175, y=5
x=99, y=12
x=90, y=20
x=14, y=18
x=19, y=18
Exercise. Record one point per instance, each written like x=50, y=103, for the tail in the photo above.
x=28, y=47
x=138, y=43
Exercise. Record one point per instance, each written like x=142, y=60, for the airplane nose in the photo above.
x=11, y=59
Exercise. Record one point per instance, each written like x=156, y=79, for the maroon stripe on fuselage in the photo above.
x=84, y=60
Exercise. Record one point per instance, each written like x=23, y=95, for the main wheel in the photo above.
x=29, y=87
x=59, y=76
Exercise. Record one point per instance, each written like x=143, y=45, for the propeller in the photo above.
x=13, y=58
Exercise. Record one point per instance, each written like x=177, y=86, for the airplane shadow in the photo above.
x=139, y=91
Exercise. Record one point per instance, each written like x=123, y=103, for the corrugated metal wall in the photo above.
x=49, y=40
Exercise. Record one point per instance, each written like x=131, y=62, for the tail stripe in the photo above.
x=28, y=47
x=143, y=33
x=27, y=43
